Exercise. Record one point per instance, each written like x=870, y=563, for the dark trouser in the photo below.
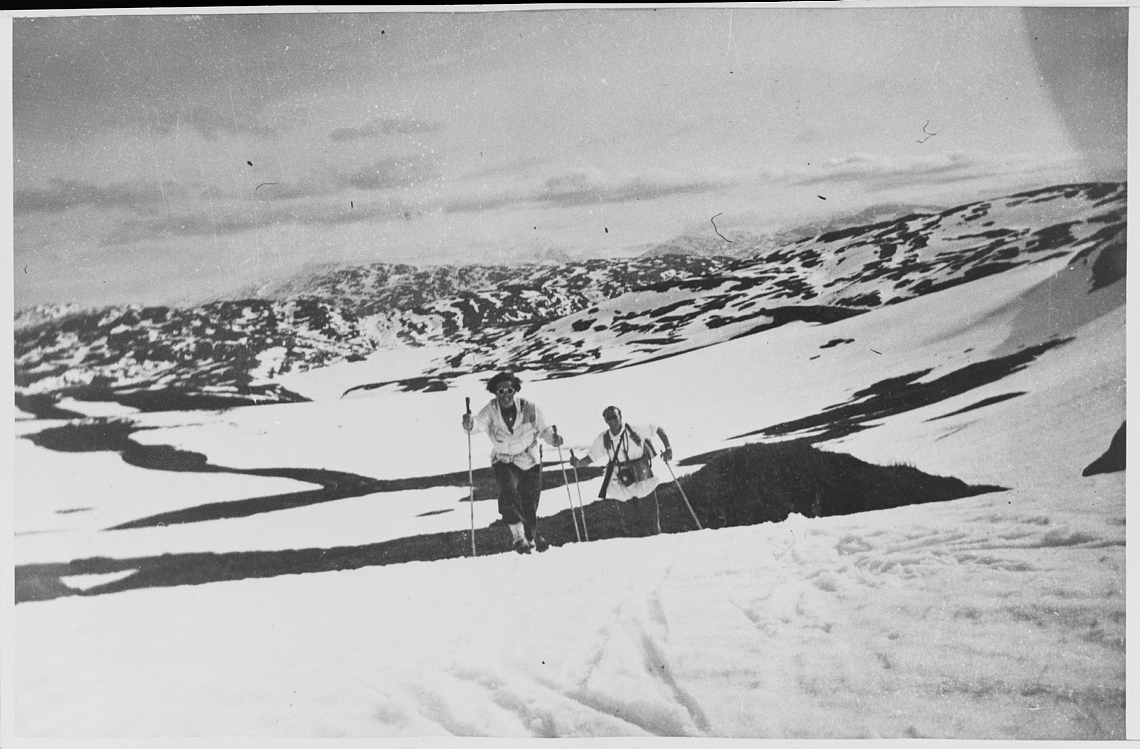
x=518, y=494
x=648, y=516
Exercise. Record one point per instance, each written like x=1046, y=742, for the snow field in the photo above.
x=860, y=626
x=996, y=616
x=401, y=435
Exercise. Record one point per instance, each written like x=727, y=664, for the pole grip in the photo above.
x=468, y=404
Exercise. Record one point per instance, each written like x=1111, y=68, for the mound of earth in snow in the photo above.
x=767, y=482
x=1113, y=458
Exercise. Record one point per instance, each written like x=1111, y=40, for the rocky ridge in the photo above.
x=554, y=319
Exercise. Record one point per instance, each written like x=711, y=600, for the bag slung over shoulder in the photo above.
x=630, y=472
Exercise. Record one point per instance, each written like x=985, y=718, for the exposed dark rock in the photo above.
x=738, y=486
x=760, y=482
x=897, y=395
x=1113, y=458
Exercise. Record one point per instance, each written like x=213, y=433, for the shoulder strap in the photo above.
x=615, y=449
x=648, y=444
x=608, y=441
x=526, y=408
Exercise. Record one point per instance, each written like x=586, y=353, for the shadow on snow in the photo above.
x=115, y=436
x=745, y=485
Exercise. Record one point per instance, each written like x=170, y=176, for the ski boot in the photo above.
x=518, y=536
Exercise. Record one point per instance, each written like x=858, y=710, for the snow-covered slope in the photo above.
x=1000, y=616
x=823, y=279
x=973, y=620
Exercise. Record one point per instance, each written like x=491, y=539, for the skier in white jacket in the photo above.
x=515, y=426
x=630, y=449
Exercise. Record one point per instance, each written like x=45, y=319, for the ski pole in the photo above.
x=569, y=496
x=578, y=486
x=678, y=483
x=471, y=481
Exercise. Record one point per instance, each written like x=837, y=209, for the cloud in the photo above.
x=575, y=189
x=63, y=194
x=382, y=127
x=224, y=222
x=879, y=169
x=390, y=172
x=880, y=173
x=316, y=200
x=208, y=121
x=925, y=172
x=280, y=190
x=516, y=166
x=572, y=190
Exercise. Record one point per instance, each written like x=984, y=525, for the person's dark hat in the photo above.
x=610, y=411
x=503, y=378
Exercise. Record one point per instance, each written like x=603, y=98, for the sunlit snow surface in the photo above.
x=1000, y=616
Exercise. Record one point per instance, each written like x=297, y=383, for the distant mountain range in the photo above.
x=749, y=243
x=558, y=319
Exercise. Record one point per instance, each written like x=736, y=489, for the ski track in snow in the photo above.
x=627, y=669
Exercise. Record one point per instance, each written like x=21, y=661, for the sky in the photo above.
x=166, y=159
